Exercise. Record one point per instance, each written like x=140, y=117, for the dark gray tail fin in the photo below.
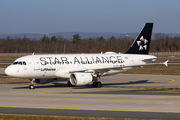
x=142, y=42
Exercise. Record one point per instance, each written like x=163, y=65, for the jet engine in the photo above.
x=44, y=81
x=81, y=78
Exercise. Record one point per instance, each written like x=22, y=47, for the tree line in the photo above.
x=57, y=44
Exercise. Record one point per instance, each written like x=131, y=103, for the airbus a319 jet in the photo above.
x=83, y=69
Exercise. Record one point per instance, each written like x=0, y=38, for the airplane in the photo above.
x=83, y=69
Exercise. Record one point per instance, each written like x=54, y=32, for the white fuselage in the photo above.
x=62, y=65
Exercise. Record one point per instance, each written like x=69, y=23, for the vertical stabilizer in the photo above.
x=142, y=42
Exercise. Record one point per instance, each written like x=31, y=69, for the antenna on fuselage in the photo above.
x=33, y=53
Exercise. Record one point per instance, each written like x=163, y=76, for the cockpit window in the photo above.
x=19, y=63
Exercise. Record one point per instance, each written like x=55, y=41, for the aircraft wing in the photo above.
x=105, y=69
x=101, y=70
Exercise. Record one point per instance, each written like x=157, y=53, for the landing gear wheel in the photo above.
x=94, y=84
x=97, y=84
x=69, y=84
x=31, y=86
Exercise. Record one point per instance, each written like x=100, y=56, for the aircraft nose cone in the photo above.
x=8, y=71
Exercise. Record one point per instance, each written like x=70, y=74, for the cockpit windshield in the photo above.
x=19, y=63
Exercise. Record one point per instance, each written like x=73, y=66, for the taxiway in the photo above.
x=122, y=96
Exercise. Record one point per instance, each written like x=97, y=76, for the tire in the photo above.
x=31, y=87
x=97, y=84
x=94, y=84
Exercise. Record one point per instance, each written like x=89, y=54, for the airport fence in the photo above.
x=151, y=53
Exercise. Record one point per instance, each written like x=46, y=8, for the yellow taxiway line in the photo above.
x=171, y=80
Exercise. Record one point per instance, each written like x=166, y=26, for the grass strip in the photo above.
x=157, y=70
x=44, y=117
x=11, y=80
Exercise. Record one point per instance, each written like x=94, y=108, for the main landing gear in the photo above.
x=97, y=84
x=31, y=86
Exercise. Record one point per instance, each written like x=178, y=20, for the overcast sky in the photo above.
x=121, y=16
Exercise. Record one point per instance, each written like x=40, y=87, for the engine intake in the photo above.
x=81, y=78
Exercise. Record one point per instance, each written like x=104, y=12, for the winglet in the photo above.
x=166, y=63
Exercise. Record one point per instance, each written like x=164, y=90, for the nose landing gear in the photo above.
x=31, y=86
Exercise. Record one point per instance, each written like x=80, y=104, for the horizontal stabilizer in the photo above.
x=160, y=63
x=166, y=63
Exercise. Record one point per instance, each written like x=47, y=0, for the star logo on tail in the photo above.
x=142, y=43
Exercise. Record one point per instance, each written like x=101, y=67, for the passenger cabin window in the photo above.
x=19, y=63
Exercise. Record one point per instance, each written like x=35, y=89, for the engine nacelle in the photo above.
x=44, y=81
x=81, y=78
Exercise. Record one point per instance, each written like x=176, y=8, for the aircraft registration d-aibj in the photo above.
x=83, y=69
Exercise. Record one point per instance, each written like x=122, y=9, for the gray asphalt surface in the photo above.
x=91, y=113
x=122, y=96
